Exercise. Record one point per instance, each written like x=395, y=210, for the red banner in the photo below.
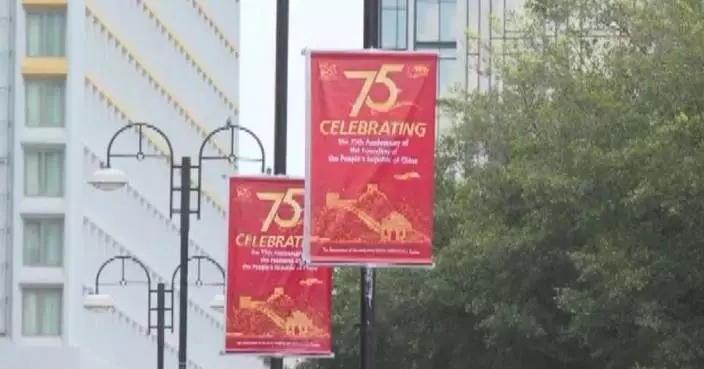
x=275, y=305
x=370, y=150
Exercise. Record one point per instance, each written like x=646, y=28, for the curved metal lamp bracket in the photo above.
x=232, y=157
x=199, y=279
x=122, y=259
x=123, y=279
x=199, y=268
x=140, y=155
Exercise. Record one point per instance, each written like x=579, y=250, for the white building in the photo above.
x=74, y=72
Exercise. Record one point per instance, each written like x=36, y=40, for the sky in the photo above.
x=313, y=24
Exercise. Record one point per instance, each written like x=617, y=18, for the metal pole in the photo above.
x=281, y=106
x=160, y=324
x=367, y=277
x=281, y=89
x=185, y=216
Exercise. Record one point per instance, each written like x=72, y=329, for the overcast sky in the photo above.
x=321, y=24
x=314, y=24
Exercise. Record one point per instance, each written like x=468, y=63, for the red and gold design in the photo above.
x=370, y=151
x=275, y=305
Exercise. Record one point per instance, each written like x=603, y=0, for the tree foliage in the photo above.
x=569, y=206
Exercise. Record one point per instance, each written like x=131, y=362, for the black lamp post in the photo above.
x=109, y=178
x=100, y=302
x=367, y=278
x=367, y=275
x=281, y=106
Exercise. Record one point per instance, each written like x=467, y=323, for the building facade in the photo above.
x=73, y=73
x=468, y=35
x=462, y=32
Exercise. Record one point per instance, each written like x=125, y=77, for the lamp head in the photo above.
x=98, y=302
x=218, y=303
x=108, y=179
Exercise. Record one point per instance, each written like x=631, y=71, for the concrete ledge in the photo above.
x=43, y=67
x=44, y=3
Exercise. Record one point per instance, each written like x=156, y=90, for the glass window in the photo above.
x=426, y=21
x=446, y=20
x=435, y=20
x=45, y=102
x=41, y=312
x=394, y=24
x=43, y=242
x=44, y=172
x=448, y=75
x=446, y=72
x=46, y=33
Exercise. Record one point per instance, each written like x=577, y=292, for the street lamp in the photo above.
x=218, y=303
x=99, y=302
x=367, y=276
x=109, y=178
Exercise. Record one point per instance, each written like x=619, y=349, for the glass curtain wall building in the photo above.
x=467, y=34
x=453, y=28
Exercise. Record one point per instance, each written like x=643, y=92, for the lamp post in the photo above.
x=109, y=178
x=281, y=106
x=103, y=302
x=367, y=277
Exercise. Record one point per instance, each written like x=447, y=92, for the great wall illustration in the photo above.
x=394, y=227
x=297, y=324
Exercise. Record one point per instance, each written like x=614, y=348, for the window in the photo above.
x=44, y=172
x=45, y=102
x=435, y=21
x=448, y=73
x=447, y=69
x=41, y=312
x=43, y=242
x=46, y=33
x=394, y=24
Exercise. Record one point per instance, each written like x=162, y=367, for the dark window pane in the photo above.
x=435, y=21
x=427, y=21
x=445, y=75
x=402, y=29
x=394, y=24
x=448, y=72
x=45, y=102
x=46, y=34
x=393, y=29
x=446, y=20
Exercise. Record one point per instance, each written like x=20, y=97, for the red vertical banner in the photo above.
x=370, y=149
x=275, y=305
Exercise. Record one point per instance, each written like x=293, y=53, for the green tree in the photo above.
x=569, y=204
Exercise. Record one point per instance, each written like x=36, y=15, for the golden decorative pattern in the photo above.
x=392, y=226
x=418, y=71
x=327, y=71
x=294, y=324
